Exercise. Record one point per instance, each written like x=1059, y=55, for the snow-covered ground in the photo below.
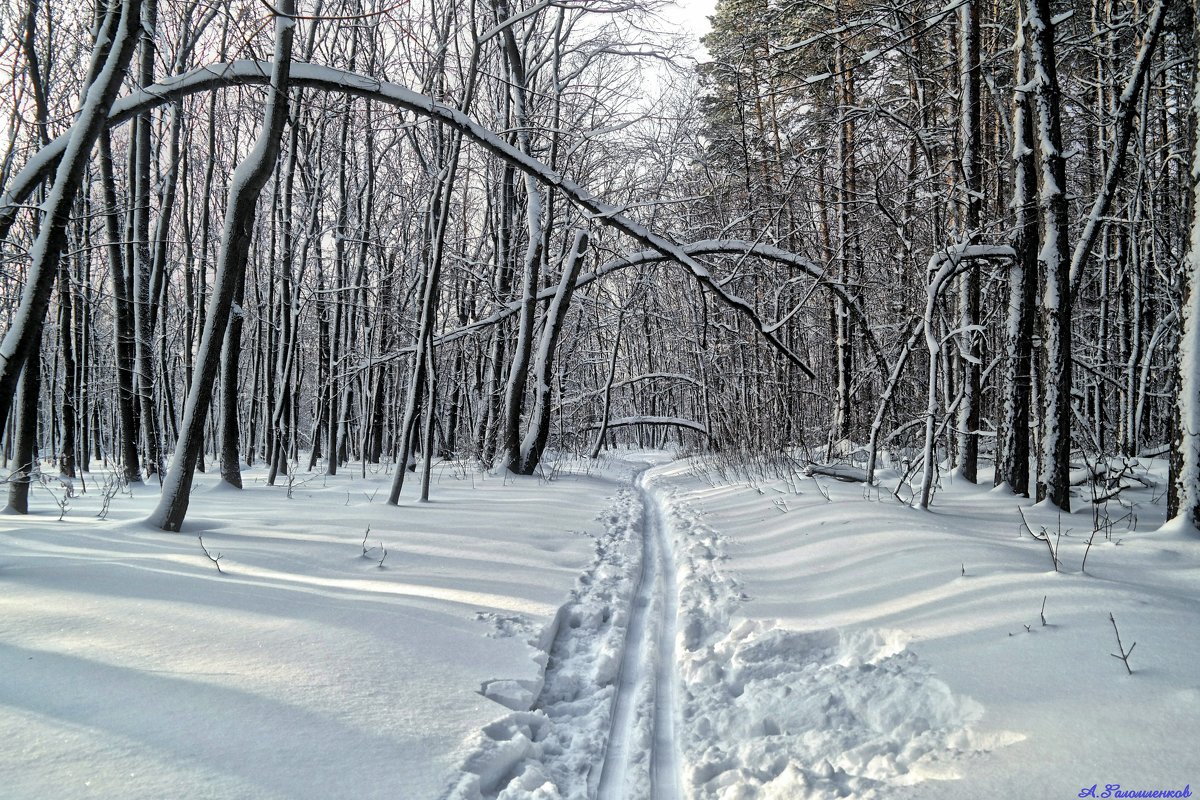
x=638, y=627
x=855, y=645
x=132, y=669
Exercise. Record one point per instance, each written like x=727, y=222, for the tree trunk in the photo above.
x=1184, y=500
x=122, y=322
x=66, y=337
x=141, y=264
x=25, y=449
x=231, y=354
x=1013, y=452
x=1054, y=480
x=972, y=165
x=534, y=443
x=245, y=187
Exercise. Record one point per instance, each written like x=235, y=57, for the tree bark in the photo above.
x=245, y=187
x=122, y=322
x=534, y=443
x=231, y=354
x=25, y=449
x=1013, y=452
x=1054, y=480
x=1184, y=499
x=972, y=166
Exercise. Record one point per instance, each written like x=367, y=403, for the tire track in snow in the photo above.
x=644, y=707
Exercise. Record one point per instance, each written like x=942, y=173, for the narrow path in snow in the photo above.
x=664, y=768
x=644, y=708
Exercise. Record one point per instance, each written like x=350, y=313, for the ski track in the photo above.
x=644, y=708
x=656, y=685
x=601, y=719
x=665, y=773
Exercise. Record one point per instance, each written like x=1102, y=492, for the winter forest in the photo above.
x=713, y=416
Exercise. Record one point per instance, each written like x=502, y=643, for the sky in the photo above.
x=692, y=15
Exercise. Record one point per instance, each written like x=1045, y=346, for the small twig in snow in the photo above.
x=1125, y=654
x=1044, y=537
x=216, y=561
x=824, y=492
x=1092, y=538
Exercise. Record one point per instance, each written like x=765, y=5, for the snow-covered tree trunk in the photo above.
x=845, y=329
x=231, y=353
x=943, y=267
x=610, y=376
x=245, y=187
x=1054, y=479
x=285, y=364
x=334, y=387
x=1012, y=464
x=1123, y=125
x=122, y=321
x=940, y=271
x=1184, y=501
x=534, y=443
x=141, y=264
x=423, y=386
x=972, y=167
x=111, y=56
x=487, y=423
x=25, y=447
x=518, y=368
x=910, y=343
x=67, y=342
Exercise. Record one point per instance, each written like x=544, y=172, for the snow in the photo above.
x=691, y=633
x=133, y=669
x=852, y=647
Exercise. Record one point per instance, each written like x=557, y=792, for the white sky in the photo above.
x=692, y=15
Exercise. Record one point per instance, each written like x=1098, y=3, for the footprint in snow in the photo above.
x=505, y=625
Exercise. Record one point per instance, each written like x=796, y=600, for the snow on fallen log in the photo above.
x=842, y=472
